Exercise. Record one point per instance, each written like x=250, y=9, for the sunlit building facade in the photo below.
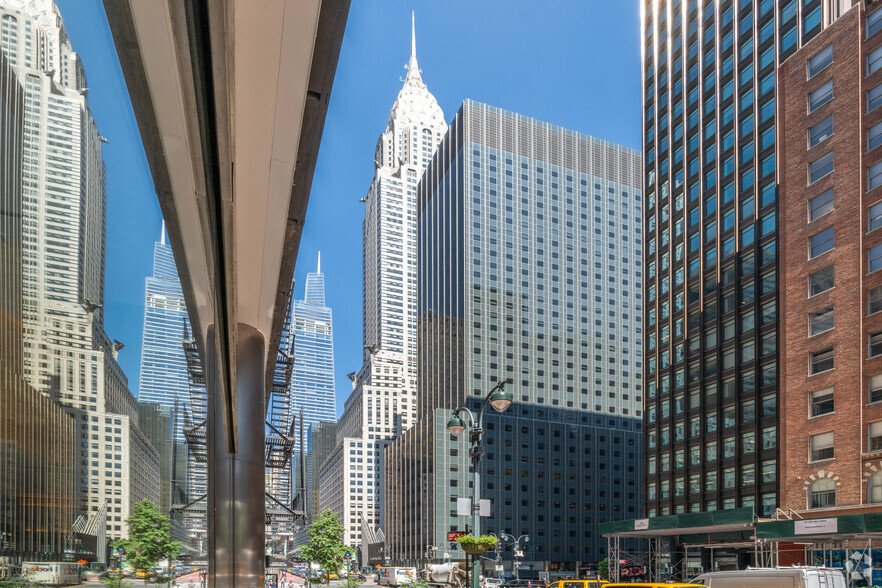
x=37, y=437
x=383, y=400
x=163, y=373
x=66, y=353
x=312, y=379
x=530, y=253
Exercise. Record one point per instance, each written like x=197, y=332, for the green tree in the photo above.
x=325, y=546
x=603, y=569
x=148, y=540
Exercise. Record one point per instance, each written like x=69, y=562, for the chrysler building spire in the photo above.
x=413, y=69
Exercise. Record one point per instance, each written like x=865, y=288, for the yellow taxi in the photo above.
x=139, y=573
x=654, y=585
x=578, y=584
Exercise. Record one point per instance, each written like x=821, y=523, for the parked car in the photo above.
x=491, y=583
x=578, y=584
x=653, y=585
x=524, y=584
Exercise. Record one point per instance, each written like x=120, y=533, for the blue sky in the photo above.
x=574, y=63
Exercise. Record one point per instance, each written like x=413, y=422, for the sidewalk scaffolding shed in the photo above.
x=667, y=538
x=852, y=543
x=680, y=547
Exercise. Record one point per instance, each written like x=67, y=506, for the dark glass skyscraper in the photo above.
x=711, y=343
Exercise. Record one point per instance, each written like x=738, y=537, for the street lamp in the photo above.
x=500, y=400
x=516, y=545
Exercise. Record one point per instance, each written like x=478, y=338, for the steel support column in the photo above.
x=236, y=509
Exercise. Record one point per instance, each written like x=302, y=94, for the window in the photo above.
x=820, y=61
x=821, y=402
x=820, y=243
x=875, y=436
x=875, y=258
x=821, y=446
x=821, y=361
x=821, y=321
x=875, y=344
x=874, y=300
x=874, y=23
x=874, y=220
x=874, y=98
x=874, y=136
x=820, y=96
x=822, y=493
x=874, y=176
x=874, y=60
x=821, y=281
x=820, y=131
x=821, y=205
x=874, y=387
x=874, y=490
x=820, y=167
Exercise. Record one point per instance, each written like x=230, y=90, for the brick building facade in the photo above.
x=831, y=299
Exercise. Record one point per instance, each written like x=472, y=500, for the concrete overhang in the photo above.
x=230, y=97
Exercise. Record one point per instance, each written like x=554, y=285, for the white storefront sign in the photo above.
x=815, y=526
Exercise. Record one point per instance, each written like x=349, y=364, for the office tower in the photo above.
x=155, y=421
x=163, y=375
x=383, y=398
x=37, y=491
x=312, y=379
x=164, y=379
x=711, y=124
x=530, y=253
x=322, y=441
x=67, y=355
x=831, y=252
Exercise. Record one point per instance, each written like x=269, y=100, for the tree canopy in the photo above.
x=148, y=540
x=325, y=546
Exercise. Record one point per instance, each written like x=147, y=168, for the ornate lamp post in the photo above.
x=500, y=400
x=518, y=554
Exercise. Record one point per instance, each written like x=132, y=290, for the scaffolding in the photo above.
x=680, y=547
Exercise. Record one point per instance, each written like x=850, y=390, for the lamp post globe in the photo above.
x=500, y=400
x=456, y=425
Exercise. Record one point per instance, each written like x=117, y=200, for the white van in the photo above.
x=796, y=577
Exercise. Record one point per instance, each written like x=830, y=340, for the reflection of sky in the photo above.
x=584, y=76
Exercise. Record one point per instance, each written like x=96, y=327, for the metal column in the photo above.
x=236, y=509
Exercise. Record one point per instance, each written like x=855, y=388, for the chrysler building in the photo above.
x=383, y=401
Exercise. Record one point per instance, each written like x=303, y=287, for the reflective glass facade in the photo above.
x=711, y=219
x=312, y=381
x=164, y=377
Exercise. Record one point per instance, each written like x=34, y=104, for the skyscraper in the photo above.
x=37, y=436
x=163, y=377
x=312, y=379
x=529, y=268
x=383, y=399
x=67, y=355
x=711, y=127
